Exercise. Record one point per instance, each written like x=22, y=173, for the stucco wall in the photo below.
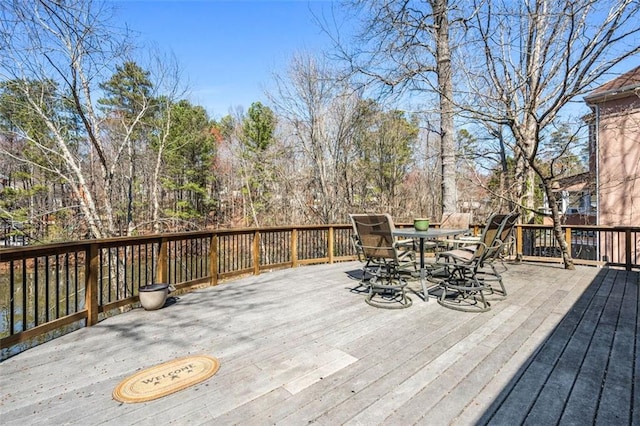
x=619, y=162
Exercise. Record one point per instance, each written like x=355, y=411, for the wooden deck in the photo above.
x=297, y=346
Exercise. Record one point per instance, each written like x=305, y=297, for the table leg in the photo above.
x=423, y=280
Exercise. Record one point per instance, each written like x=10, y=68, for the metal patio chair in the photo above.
x=487, y=272
x=388, y=262
x=506, y=240
x=457, y=271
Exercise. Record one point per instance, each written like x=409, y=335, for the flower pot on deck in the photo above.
x=153, y=296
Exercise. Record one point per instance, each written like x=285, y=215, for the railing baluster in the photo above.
x=76, y=266
x=36, y=293
x=213, y=259
x=627, y=249
x=140, y=283
x=294, y=247
x=256, y=253
x=47, y=290
x=330, y=243
x=57, y=287
x=66, y=283
x=12, y=296
x=25, y=287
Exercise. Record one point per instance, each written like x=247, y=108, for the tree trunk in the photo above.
x=557, y=227
x=447, y=144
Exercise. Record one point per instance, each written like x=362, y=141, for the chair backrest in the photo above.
x=497, y=232
x=490, y=235
x=504, y=239
x=456, y=220
x=355, y=241
x=375, y=232
x=509, y=223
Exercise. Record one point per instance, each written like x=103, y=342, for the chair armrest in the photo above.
x=461, y=256
x=404, y=242
x=460, y=243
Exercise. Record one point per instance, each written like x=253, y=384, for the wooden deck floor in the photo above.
x=297, y=346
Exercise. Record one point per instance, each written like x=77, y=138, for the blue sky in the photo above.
x=227, y=50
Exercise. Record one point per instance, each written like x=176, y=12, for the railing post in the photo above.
x=519, y=242
x=567, y=238
x=294, y=247
x=162, y=274
x=330, y=243
x=256, y=253
x=213, y=259
x=91, y=284
x=627, y=249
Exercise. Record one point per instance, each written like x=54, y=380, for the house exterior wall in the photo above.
x=618, y=130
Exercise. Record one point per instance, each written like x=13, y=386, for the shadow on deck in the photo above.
x=299, y=346
x=587, y=371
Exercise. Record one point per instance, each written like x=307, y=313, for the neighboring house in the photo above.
x=575, y=196
x=614, y=146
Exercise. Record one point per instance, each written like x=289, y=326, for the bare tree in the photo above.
x=321, y=113
x=538, y=56
x=167, y=88
x=70, y=45
x=101, y=154
x=405, y=47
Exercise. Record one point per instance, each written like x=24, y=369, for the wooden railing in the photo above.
x=589, y=245
x=49, y=290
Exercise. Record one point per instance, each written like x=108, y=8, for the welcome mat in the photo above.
x=166, y=378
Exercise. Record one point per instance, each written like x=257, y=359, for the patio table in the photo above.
x=430, y=234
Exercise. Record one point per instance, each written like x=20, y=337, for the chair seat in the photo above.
x=458, y=254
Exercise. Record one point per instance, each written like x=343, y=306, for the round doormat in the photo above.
x=166, y=378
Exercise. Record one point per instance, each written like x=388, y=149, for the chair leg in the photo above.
x=468, y=290
x=503, y=290
x=390, y=293
x=488, y=277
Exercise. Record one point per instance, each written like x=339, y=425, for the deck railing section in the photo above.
x=49, y=290
x=589, y=245
x=46, y=291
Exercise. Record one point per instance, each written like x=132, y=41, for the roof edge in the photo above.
x=611, y=94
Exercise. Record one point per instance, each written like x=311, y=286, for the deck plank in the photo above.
x=300, y=346
x=516, y=403
x=469, y=377
x=536, y=330
x=614, y=399
x=587, y=387
x=553, y=396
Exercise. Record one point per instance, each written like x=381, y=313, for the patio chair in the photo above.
x=454, y=221
x=506, y=240
x=406, y=247
x=457, y=270
x=387, y=261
